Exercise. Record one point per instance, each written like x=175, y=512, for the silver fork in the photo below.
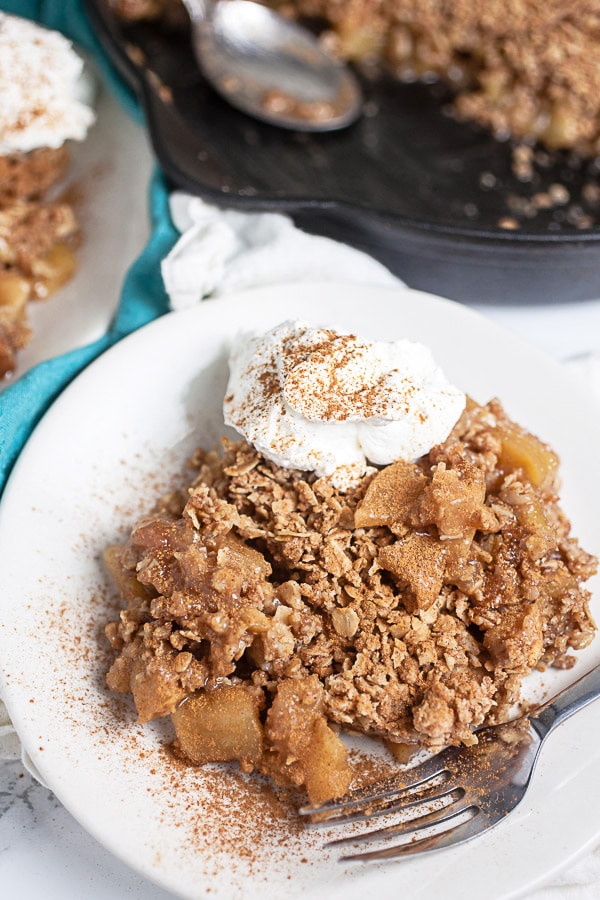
x=461, y=792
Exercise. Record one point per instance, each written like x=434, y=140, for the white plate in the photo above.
x=103, y=452
x=109, y=175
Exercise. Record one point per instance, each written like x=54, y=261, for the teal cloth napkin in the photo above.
x=143, y=297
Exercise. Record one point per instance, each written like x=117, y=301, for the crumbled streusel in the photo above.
x=520, y=67
x=410, y=608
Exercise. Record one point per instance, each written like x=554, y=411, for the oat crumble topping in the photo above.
x=265, y=609
x=521, y=67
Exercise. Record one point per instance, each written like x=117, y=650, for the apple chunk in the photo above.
x=219, y=726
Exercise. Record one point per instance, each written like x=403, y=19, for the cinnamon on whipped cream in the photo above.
x=41, y=87
x=317, y=400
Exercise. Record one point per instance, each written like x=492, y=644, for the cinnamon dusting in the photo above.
x=409, y=608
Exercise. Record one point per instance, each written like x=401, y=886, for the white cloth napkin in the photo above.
x=224, y=251
x=221, y=252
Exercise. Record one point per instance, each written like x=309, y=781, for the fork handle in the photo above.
x=568, y=701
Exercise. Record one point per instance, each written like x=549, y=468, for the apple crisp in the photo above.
x=42, y=111
x=134, y=10
x=37, y=242
x=520, y=67
x=266, y=610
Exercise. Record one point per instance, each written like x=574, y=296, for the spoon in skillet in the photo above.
x=271, y=68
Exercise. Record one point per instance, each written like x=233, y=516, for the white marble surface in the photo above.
x=44, y=851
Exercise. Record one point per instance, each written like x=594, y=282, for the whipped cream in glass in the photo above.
x=41, y=79
x=322, y=401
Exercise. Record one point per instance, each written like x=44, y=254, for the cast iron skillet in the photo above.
x=408, y=183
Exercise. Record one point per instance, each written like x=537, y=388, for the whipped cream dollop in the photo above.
x=327, y=402
x=41, y=86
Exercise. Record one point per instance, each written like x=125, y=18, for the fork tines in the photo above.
x=418, y=806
